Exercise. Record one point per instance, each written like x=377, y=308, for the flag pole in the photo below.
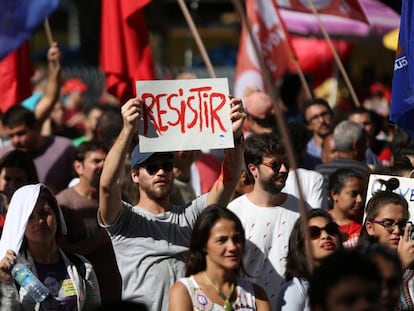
x=335, y=54
x=294, y=58
x=302, y=78
x=197, y=38
x=48, y=32
x=267, y=79
x=281, y=124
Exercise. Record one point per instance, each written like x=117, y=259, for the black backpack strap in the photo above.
x=79, y=264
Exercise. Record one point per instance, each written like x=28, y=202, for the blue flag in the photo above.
x=20, y=19
x=402, y=100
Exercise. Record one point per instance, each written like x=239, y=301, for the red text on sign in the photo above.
x=201, y=108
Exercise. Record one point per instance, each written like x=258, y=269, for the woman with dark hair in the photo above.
x=346, y=189
x=386, y=220
x=325, y=239
x=345, y=280
x=389, y=266
x=214, y=268
x=16, y=169
x=33, y=221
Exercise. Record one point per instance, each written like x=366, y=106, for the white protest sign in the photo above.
x=185, y=115
x=406, y=189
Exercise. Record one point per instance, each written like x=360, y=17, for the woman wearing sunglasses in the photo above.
x=386, y=223
x=325, y=239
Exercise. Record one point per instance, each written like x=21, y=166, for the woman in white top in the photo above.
x=214, y=266
x=325, y=239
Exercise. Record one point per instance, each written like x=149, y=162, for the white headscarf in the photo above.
x=20, y=208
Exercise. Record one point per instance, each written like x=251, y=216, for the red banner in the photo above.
x=15, y=71
x=125, y=54
x=343, y=8
x=316, y=57
x=268, y=31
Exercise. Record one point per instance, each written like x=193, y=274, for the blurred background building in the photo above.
x=76, y=26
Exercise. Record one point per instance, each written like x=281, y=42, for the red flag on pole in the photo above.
x=125, y=54
x=15, y=71
x=316, y=58
x=268, y=32
x=343, y=8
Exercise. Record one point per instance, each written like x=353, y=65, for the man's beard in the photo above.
x=158, y=194
x=271, y=187
x=325, y=133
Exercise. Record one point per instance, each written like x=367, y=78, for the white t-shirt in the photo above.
x=267, y=238
x=311, y=183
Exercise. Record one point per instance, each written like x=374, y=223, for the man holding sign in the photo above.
x=150, y=240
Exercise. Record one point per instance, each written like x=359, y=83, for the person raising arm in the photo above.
x=150, y=240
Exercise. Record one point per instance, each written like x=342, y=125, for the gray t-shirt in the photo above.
x=150, y=250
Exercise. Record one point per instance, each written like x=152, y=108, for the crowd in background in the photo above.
x=101, y=222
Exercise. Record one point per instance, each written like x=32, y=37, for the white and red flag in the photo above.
x=271, y=39
x=344, y=8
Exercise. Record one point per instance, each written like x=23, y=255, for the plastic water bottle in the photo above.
x=29, y=282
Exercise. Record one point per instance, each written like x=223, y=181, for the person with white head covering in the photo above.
x=33, y=222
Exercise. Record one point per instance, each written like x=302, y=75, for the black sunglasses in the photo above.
x=153, y=167
x=330, y=228
x=276, y=165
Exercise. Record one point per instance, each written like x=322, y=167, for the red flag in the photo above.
x=316, y=57
x=15, y=71
x=268, y=31
x=125, y=54
x=343, y=8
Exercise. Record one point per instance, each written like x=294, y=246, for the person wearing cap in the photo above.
x=151, y=239
x=260, y=113
x=379, y=99
x=72, y=96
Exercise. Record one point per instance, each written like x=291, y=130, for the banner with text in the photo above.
x=185, y=115
x=405, y=188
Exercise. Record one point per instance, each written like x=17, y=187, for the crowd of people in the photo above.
x=104, y=225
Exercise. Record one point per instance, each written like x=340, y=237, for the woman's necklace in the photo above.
x=227, y=303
